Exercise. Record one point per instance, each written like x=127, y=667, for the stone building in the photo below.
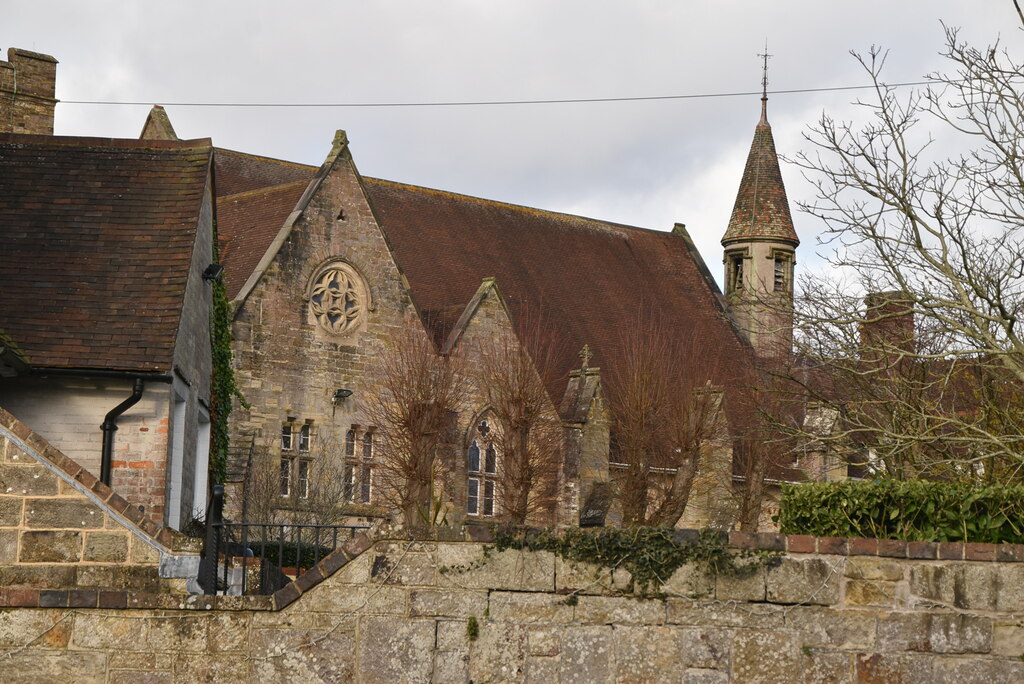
x=760, y=250
x=325, y=267
x=295, y=237
x=105, y=313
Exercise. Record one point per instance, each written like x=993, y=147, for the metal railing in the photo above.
x=260, y=558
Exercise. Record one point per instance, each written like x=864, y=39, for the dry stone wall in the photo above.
x=421, y=611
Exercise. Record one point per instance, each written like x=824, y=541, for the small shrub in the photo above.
x=472, y=628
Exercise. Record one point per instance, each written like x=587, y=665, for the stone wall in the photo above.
x=182, y=482
x=398, y=610
x=62, y=530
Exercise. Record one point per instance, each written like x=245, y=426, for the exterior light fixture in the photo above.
x=340, y=395
x=212, y=272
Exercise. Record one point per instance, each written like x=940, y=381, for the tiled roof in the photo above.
x=96, y=239
x=247, y=223
x=240, y=172
x=590, y=277
x=762, y=209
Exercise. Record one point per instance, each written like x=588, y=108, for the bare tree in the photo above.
x=514, y=373
x=420, y=393
x=303, y=488
x=763, y=443
x=664, y=413
x=942, y=232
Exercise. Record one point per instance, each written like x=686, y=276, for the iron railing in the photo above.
x=260, y=558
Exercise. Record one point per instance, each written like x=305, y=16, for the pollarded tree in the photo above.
x=513, y=375
x=664, y=415
x=419, y=392
x=942, y=232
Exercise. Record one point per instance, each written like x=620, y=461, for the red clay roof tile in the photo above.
x=97, y=237
x=762, y=209
x=240, y=172
x=247, y=223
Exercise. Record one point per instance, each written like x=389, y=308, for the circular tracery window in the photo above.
x=338, y=299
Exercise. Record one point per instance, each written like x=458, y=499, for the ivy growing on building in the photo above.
x=222, y=386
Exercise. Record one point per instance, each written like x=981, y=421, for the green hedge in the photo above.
x=911, y=510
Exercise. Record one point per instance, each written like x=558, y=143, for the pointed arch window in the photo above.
x=482, y=471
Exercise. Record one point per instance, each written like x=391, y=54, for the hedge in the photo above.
x=911, y=510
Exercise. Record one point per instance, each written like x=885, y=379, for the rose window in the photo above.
x=336, y=300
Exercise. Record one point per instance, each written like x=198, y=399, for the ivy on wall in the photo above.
x=650, y=554
x=222, y=386
x=911, y=510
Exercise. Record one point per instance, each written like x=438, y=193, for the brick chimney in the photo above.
x=887, y=332
x=27, y=89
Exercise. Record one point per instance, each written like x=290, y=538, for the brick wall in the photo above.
x=68, y=412
x=27, y=88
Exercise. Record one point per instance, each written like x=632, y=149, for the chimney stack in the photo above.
x=887, y=332
x=27, y=89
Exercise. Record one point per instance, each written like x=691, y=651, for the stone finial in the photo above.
x=158, y=126
x=585, y=354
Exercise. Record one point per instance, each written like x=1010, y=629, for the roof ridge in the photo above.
x=266, y=158
x=116, y=143
x=245, y=194
x=521, y=207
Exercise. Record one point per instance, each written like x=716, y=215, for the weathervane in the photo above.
x=764, y=83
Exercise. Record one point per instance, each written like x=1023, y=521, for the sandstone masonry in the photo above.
x=398, y=610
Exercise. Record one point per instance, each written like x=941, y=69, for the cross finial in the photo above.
x=764, y=83
x=586, y=355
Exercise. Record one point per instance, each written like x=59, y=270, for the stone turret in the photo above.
x=760, y=249
x=27, y=89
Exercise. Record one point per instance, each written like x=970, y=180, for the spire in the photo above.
x=761, y=211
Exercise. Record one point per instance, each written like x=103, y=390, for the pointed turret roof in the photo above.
x=761, y=211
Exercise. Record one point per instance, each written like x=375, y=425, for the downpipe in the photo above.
x=109, y=427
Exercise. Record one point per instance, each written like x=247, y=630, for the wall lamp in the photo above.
x=340, y=395
x=212, y=272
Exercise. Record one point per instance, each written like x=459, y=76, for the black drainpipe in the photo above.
x=109, y=427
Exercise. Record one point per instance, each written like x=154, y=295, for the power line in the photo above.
x=492, y=103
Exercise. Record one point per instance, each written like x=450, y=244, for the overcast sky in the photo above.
x=647, y=164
